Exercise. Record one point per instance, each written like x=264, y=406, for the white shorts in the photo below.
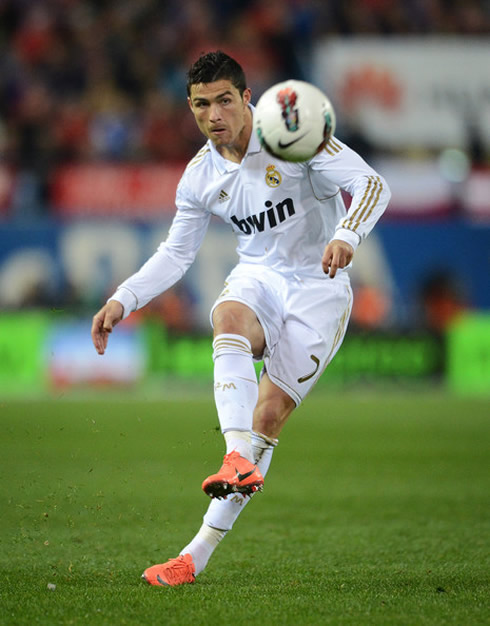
x=304, y=321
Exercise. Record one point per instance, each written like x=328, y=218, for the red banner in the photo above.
x=146, y=191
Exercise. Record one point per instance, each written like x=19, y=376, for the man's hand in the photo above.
x=337, y=254
x=103, y=323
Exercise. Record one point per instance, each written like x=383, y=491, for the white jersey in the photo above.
x=283, y=214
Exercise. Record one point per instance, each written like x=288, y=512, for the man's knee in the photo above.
x=230, y=317
x=237, y=318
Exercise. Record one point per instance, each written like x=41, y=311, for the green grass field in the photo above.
x=375, y=511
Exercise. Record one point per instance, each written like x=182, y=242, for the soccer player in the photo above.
x=287, y=301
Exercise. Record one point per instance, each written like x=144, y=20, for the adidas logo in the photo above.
x=223, y=196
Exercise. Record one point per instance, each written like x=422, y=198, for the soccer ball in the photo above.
x=294, y=120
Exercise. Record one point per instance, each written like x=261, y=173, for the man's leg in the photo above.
x=218, y=520
x=273, y=408
x=222, y=514
x=237, y=337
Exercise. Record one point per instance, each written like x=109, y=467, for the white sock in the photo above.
x=240, y=441
x=263, y=447
x=203, y=546
x=235, y=388
x=222, y=514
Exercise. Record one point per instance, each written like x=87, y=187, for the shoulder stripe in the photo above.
x=333, y=147
x=367, y=205
x=199, y=157
x=200, y=152
x=335, y=143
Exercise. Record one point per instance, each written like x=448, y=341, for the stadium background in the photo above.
x=95, y=132
x=383, y=516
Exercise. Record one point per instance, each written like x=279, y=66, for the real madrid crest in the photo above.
x=272, y=176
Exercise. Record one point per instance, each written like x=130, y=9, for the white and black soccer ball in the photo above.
x=294, y=120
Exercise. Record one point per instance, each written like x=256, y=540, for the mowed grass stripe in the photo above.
x=375, y=511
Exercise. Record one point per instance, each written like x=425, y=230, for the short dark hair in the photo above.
x=214, y=66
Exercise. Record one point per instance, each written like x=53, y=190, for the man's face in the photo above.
x=220, y=111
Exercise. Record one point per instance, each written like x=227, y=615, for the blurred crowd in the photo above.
x=88, y=80
x=85, y=81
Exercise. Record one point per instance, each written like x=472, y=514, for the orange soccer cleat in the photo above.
x=236, y=474
x=172, y=573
